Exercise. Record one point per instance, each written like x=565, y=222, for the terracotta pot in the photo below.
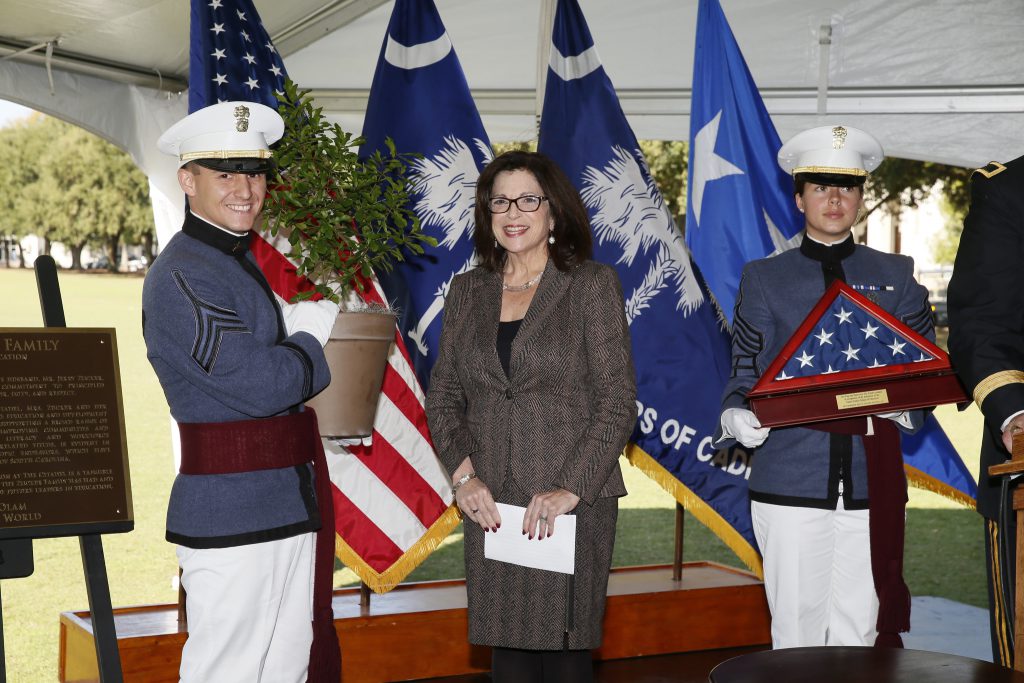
x=357, y=354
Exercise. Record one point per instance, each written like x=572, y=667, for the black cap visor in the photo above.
x=831, y=179
x=238, y=165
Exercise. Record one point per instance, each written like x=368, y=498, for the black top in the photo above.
x=506, y=333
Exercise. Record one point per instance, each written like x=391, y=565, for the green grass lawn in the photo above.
x=944, y=555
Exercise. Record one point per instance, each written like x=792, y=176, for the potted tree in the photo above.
x=345, y=218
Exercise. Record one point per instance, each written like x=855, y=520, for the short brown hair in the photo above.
x=573, y=243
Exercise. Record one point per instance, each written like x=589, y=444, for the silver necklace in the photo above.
x=523, y=287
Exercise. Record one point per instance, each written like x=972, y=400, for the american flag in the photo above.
x=848, y=337
x=392, y=498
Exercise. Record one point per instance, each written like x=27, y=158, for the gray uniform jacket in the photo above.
x=794, y=466
x=216, y=339
x=560, y=419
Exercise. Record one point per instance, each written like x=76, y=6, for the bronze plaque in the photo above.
x=63, y=453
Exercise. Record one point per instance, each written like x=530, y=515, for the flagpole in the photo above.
x=677, y=559
x=547, y=25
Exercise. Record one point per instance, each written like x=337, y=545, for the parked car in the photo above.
x=940, y=313
x=136, y=264
x=936, y=280
x=98, y=263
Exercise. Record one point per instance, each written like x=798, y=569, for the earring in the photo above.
x=495, y=243
x=551, y=238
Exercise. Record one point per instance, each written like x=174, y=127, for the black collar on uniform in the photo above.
x=827, y=252
x=207, y=233
x=830, y=256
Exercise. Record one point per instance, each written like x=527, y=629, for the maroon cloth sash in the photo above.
x=271, y=443
x=887, y=504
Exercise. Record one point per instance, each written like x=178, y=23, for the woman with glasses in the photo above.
x=531, y=401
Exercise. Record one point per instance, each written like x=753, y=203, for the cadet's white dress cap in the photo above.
x=226, y=131
x=836, y=150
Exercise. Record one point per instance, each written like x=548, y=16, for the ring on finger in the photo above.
x=543, y=518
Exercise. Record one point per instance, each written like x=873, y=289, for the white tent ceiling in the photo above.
x=939, y=80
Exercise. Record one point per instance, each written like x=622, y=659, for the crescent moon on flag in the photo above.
x=416, y=56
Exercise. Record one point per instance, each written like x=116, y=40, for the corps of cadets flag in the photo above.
x=680, y=349
x=741, y=208
x=391, y=498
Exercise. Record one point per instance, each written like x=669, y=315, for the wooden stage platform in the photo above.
x=418, y=630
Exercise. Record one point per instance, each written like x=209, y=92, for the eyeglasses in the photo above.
x=528, y=203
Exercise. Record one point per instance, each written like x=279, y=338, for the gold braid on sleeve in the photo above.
x=995, y=381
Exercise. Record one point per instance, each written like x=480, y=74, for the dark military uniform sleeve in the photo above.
x=986, y=311
x=986, y=293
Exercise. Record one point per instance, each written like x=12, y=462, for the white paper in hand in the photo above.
x=509, y=544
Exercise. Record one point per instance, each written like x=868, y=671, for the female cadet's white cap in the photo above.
x=831, y=150
x=230, y=136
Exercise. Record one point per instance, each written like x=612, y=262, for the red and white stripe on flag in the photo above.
x=392, y=499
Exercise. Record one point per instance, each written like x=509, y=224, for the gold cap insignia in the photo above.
x=838, y=137
x=994, y=168
x=241, y=118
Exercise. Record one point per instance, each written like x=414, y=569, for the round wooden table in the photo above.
x=857, y=665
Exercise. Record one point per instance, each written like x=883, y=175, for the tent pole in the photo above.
x=547, y=25
x=824, y=47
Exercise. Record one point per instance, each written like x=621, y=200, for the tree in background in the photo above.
x=67, y=185
x=22, y=145
x=899, y=183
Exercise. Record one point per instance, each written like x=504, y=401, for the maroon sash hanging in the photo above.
x=887, y=504
x=272, y=443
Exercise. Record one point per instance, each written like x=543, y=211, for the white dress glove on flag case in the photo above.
x=743, y=426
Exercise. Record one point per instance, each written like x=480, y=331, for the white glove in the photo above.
x=901, y=417
x=315, y=317
x=743, y=425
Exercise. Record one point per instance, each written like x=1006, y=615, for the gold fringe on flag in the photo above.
x=704, y=513
x=382, y=582
x=929, y=483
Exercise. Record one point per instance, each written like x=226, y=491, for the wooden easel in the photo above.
x=16, y=559
x=1016, y=466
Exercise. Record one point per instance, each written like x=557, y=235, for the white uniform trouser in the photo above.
x=817, y=574
x=250, y=611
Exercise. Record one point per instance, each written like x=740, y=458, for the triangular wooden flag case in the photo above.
x=851, y=358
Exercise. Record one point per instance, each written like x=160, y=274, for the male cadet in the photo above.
x=986, y=346
x=235, y=370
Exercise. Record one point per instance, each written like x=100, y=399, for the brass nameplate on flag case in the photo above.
x=63, y=454
x=862, y=398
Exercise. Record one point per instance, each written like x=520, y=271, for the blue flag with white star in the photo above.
x=231, y=56
x=741, y=208
x=740, y=205
x=680, y=349
x=420, y=99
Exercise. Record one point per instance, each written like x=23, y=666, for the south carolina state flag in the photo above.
x=680, y=350
x=741, y=208
x=420, y=99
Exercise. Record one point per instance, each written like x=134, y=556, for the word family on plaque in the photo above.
x=63, y=454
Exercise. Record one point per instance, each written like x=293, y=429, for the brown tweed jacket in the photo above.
x=560, y=420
